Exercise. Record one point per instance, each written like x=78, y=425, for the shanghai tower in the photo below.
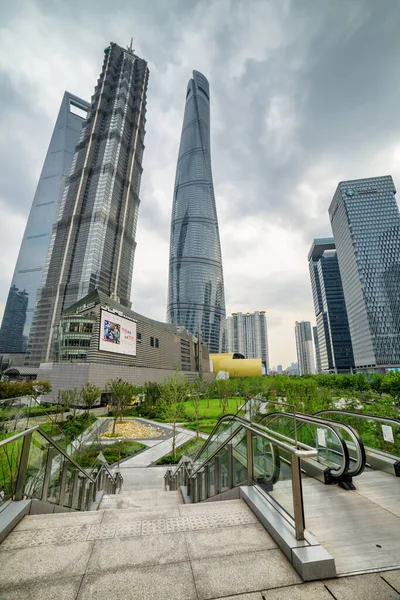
x=93, y=240
x=196, y=298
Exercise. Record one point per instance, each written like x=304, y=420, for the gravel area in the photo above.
x=133, y=430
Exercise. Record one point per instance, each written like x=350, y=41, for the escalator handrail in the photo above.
x=349, y=413
x=337, y=473
x=257, y=430
x=359, y=445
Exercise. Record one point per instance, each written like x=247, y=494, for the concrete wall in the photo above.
x=74, y=375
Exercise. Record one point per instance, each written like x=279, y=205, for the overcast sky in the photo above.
x=304, y=93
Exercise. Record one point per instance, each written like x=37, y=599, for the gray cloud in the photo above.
x=304, y=94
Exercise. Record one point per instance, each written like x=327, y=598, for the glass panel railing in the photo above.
x=211, y=479
x=266, y=462
x=329, y=443
x=223, y=471
x=239, y=458
x=377, y=433
x=55, y=483
x=10, y=455
x=36, y=467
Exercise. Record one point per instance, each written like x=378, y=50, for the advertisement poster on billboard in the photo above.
x=117, y=334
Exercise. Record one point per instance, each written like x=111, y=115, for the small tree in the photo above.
x=39, y=388
x=89, y=394
x=174, y=392
x=121, y=393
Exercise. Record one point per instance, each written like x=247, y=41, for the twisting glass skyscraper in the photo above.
x=93, y=242
x=196, y=296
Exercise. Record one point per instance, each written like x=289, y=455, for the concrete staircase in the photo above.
x=144, y=543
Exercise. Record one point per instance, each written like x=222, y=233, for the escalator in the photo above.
x=380, y=436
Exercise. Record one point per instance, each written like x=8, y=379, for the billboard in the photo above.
x=117, y=334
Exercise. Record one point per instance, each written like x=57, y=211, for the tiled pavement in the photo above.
x=159, y=549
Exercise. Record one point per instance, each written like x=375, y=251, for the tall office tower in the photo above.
x=316, y=349
x=93, y=241
x=247, y=334
x=304, y=347
x=18, y=313
x=366, y=227
x=334, y=342
x=196, y=296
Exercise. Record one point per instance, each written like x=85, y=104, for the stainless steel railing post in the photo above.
x=206, y=481
x=63, y=483
x=230, y=466
x=75, y=489
x=193, y=489
x=83, y=501
x=217, y=474
x=23, y=463
x=250, y=455
x=47, y=474
x=298, y=506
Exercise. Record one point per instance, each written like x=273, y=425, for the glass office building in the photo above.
x=196, y=296
x=93, y=241
x=335, y=353
x=18, y=313
x=304, y=347
x=366, y=227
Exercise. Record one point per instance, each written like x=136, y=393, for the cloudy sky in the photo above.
x=304, y=93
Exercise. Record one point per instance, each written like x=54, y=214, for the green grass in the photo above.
x=205, y=425
x=189, y=449
x=211, y=409
x=112, y=452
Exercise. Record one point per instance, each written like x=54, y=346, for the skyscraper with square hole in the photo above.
x=196, y=297
x=334, y=353
x=18, y=313
x=93, y=241
x=366, y=226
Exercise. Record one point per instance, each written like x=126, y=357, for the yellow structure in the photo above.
x=236, y=367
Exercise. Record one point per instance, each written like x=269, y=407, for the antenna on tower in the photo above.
x=129, y=48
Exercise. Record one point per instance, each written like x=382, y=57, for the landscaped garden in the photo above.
x=112, y=452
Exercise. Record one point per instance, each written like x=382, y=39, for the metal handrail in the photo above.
x=332, y=426
x=23, y=461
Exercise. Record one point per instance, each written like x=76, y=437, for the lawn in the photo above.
x=211, y=409
x=111, y=452
x=189, y=449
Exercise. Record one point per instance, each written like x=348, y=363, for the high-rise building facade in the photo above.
x=93, y=242
x=18, y=313
x=304, y=347
x=366, y=226
x=316, y=349
x=335, y=353
x=247, y=334
x=196, y=298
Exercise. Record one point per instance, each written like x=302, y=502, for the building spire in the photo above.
x=129, y=48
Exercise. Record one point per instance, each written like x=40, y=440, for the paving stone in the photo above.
x=393, y=578
x=251, y=596
x=58, y=520
x=304, y=591
x=361, y=587
x=226, y=506
x=27, y=565
x=137, y=550
x=242, y=573
x=229, y=540
x=128, y=529
x=74, y=534
x=62, y=589
x=154, y=527
x=101, y=532
x=128, y=515
x=142, y=583
x=178, y=524
x=17, y=539
x=46, y=537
